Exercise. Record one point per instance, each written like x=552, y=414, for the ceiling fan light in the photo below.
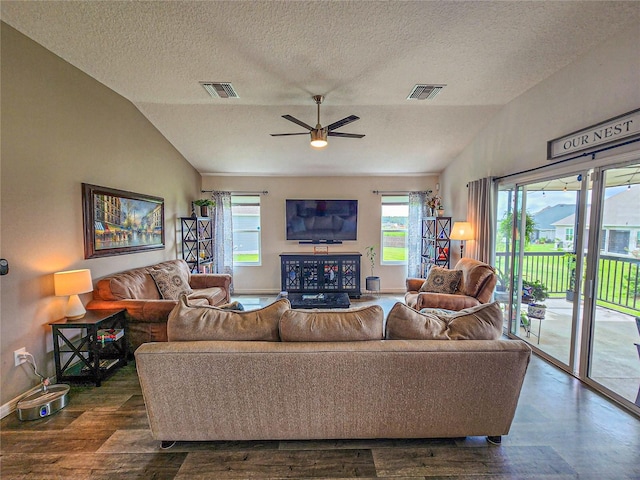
x=319, y=138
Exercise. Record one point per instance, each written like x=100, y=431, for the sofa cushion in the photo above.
x=442, y=280
x=405, y=323
x=482, y=322
x=319, y=325
x=171, y=282
x=189, y=322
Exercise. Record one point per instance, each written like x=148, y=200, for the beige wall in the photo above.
x=61, y=128
x=602, y=84
x=266, y=278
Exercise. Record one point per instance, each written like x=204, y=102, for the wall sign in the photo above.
x=612, y=130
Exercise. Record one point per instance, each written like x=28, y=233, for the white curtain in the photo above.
x=222, y=234
x=417, y=211
x=481, y=216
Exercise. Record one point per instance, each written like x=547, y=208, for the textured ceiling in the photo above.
x=364, y=56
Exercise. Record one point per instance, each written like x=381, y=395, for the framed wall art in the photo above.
x=117, y=222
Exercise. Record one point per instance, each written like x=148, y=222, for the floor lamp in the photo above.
x=461, y=231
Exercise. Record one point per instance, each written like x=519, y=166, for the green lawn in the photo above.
x=394, y=254
x=393, y=249
x=246, y=257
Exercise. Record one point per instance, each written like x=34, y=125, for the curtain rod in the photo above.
x=591, y=154
x=263, y=192
x=399, y=192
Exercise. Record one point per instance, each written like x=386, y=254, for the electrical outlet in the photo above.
x=17, y=358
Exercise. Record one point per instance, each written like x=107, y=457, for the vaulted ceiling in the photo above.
x=365, y=57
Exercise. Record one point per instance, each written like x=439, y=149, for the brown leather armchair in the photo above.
x=478, y=282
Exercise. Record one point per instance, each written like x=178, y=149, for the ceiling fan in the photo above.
x=319, y=134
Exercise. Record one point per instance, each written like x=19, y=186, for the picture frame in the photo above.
x=117, y=222
x=321, y=250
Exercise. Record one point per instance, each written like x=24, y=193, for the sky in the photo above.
x=537, y=200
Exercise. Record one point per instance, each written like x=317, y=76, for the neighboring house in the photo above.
x=545, y=218
x=621, y=224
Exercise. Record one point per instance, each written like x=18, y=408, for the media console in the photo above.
x=313, y=273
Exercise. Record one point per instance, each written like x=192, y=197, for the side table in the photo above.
x=79, y=353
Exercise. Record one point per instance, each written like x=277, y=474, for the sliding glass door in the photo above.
x=612, y=357
x=538, y=225
x=568, y=257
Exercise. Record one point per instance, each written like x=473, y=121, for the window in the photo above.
x=395, y=216
x=245, y=213
x=568, y=235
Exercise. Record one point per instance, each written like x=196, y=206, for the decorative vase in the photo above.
x=441, y=213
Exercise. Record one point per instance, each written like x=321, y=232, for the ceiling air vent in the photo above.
x=425, y=92
x=219, y=89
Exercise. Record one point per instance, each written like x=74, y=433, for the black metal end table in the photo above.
x=80, y=355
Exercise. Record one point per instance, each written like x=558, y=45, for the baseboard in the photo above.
x=10, y=407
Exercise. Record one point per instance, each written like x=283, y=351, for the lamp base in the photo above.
x=75, y=308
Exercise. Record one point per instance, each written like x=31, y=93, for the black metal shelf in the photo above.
x=436, y=244
x=197, y=243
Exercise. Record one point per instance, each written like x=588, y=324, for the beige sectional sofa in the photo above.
x=317, y=374
x=150, y=293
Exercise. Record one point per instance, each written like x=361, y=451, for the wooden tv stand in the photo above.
x=312, y=273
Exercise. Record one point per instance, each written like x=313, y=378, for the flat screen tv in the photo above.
x=322, y=221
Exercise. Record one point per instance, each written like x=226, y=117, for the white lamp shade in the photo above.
x=72, y=283
x=461, y=231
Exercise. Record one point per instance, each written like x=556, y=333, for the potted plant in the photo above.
x=372, y=282
x=204, y=204
x=538, y=294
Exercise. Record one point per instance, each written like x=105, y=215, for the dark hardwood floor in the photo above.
x=562, y=430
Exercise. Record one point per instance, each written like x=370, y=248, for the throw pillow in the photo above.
x=405, y=323
x=442, y=280
x=352, y=324
x=171, y=282
x=189, y=322
x=482, y=322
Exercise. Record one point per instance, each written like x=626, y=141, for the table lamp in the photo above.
x=461, y=231
x=72, y=283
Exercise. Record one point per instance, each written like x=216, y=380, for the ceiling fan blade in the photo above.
x=345, y=135
x=287, y=134
x=299, y=122
x=343, y=122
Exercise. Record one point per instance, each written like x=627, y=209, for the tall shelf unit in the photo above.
x=197, y=243
x=436, y=244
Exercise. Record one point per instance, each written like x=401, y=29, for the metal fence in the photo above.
x=618, y=276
